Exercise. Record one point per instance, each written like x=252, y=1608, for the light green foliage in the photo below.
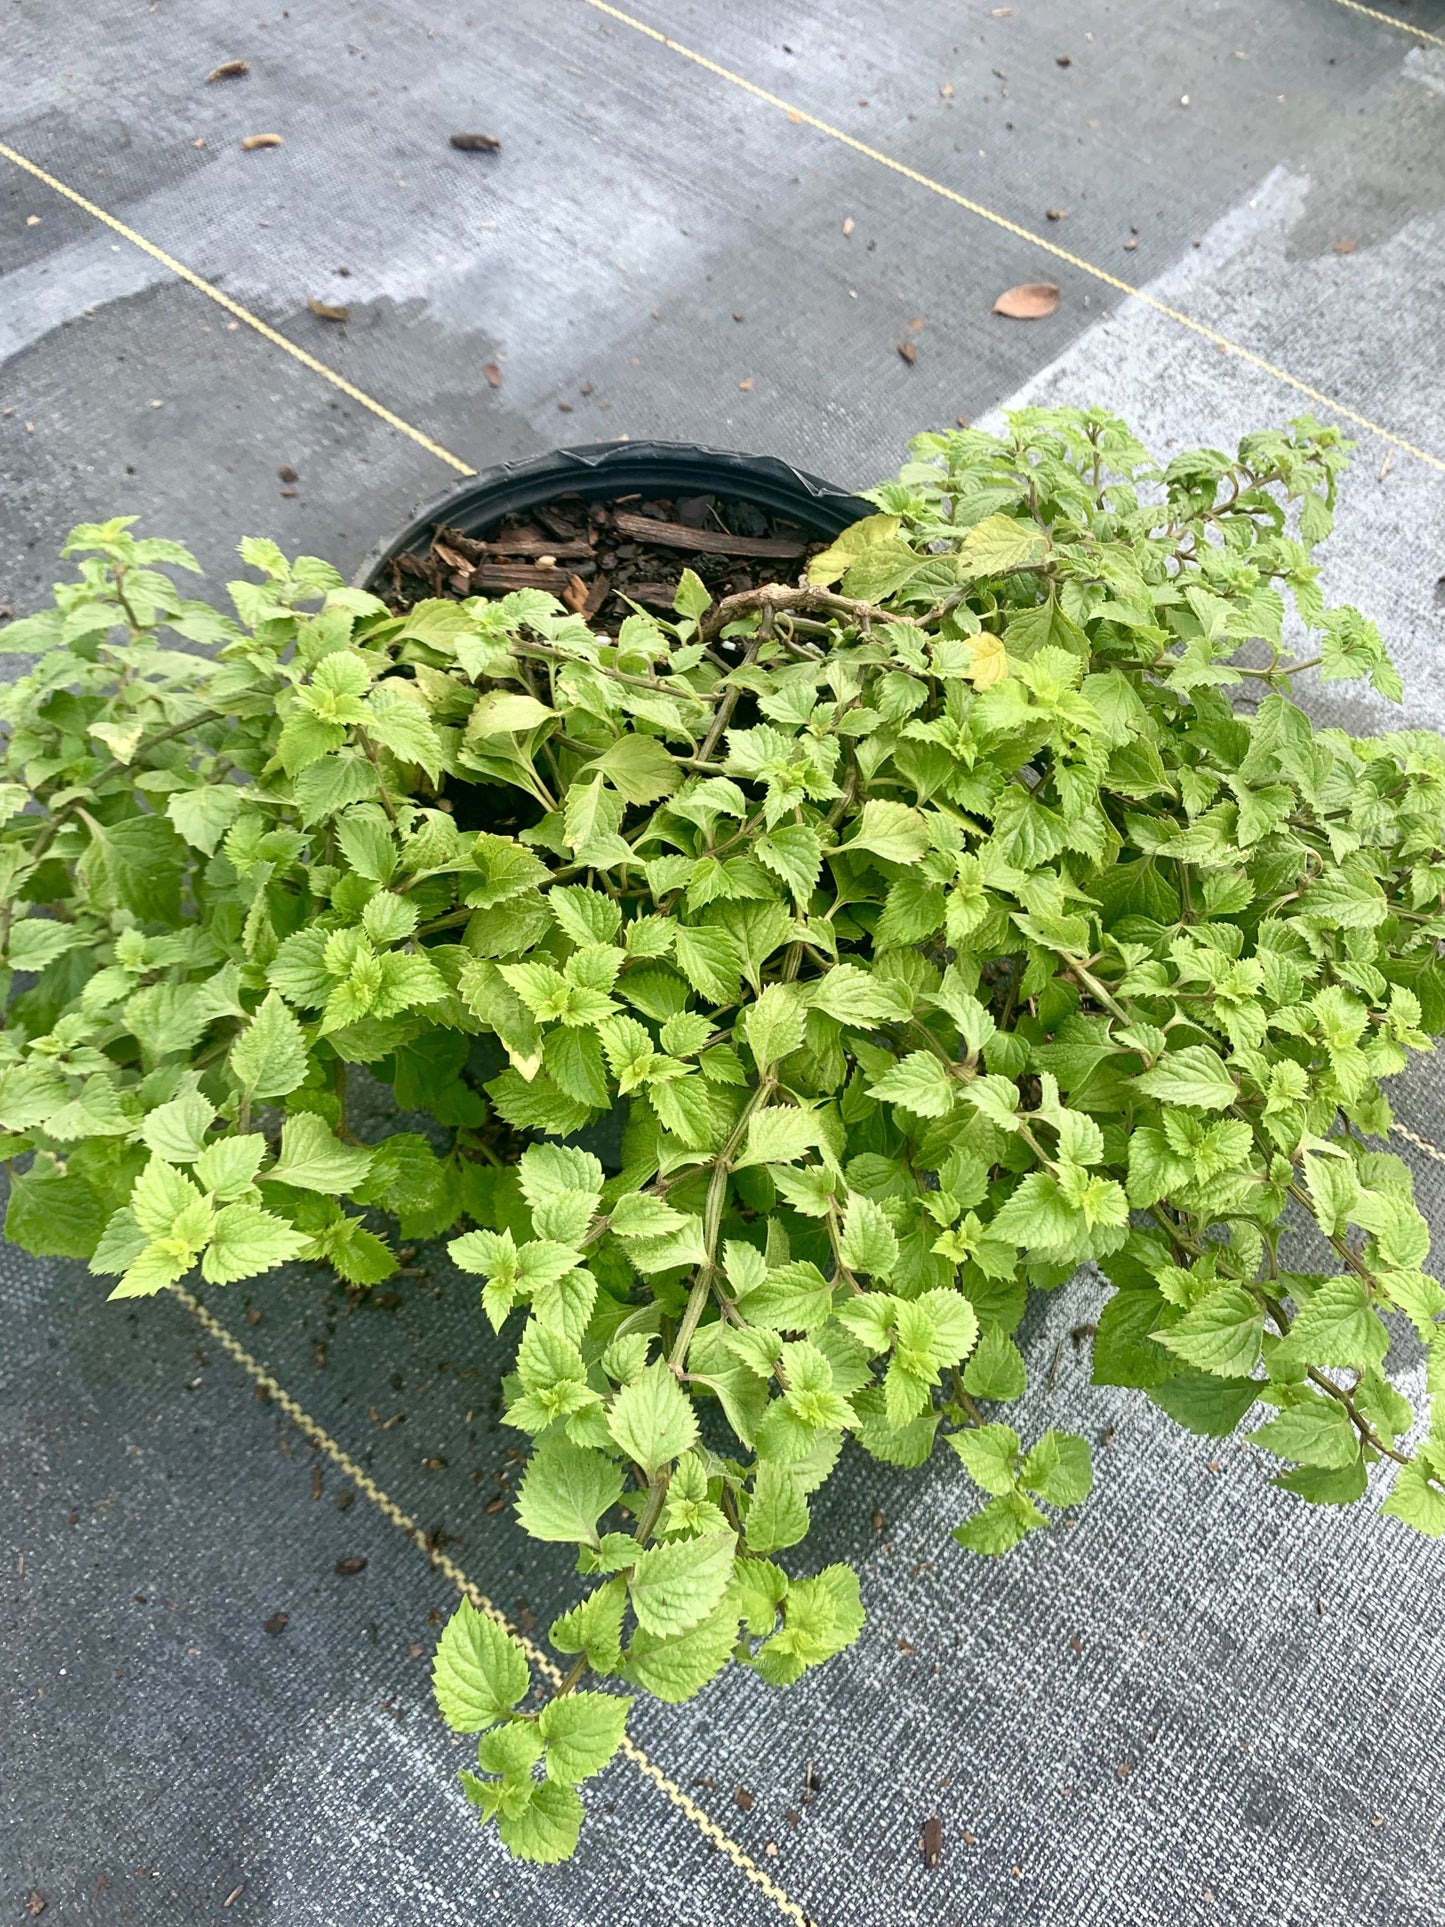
x=938, y=927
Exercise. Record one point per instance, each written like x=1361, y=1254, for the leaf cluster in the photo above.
x=936, y=926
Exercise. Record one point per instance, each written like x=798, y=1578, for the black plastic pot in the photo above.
x=608, y=469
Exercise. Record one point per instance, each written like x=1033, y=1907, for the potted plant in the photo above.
x=933, y=923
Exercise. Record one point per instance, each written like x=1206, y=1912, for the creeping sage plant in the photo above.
x=937, y=926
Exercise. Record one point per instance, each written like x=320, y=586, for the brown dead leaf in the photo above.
x=907, y=352
x=1344, y=247
x=575, y=594
x=931, y=1840
x=325, y=311
x=493, y=374
x=1028, y=302
x=476, y=143
x=228, y=70
x=253, y=141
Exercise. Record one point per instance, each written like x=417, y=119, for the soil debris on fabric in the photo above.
x=930, y=1840
x=348, y=1568
x=228, y=70
x=743, y=1799
x=324, y=311
x=251, y=142
x=476, y=143
x=492, y=374
x=1029, y=301
x=276, y=1624
x=1056, y=214
x=287, y=473
x=600, y=559
x=907, y=352
x=35, y=1903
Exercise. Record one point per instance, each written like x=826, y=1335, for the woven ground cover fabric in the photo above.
x=1203, y=1702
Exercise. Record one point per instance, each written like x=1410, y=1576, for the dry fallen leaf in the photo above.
x=907, y=352
x=253, y=141
x=228, y=70
x=848, y=225
x=1028, y=301
x=476, y=143
x=931, y=1840
x=325, y=311
x=493, y=374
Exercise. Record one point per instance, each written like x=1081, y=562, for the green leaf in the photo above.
x=652, y=1419
x=177, y=1131
x=313, y=1160
x=676, y=1667
x=1202, y=1403
x=583, y=1732
x=138, y=862
x=774, y=1024
x=1338, y=1326
x=1193, y=1076
x=566, y=1490
x=1000, y=1525
x=778, y=1510
x=777, y=1136
x=996, y=1370
x=990, y=1456
x=834, y=562
x=1316, y=1431
x=1221, y=1334
x=637, y=766
x=709, y=959
x=919, y=1082
x=546, y=1829
x=52, y=1213
x=869, y=1243
x=479, y=1672
x=246, y=1241
x=203, y=816
x=1059, y=1468
x=676, y=1585
x=269, y=1058
x=893, y=831
x=692, y=597
x=997, y=545
x=1418, y=1495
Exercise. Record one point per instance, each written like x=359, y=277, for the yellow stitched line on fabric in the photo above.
x=262, y=328
x=1420, y=1143
x=984, y=213
x=392, y=1512
x=1389, y=20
